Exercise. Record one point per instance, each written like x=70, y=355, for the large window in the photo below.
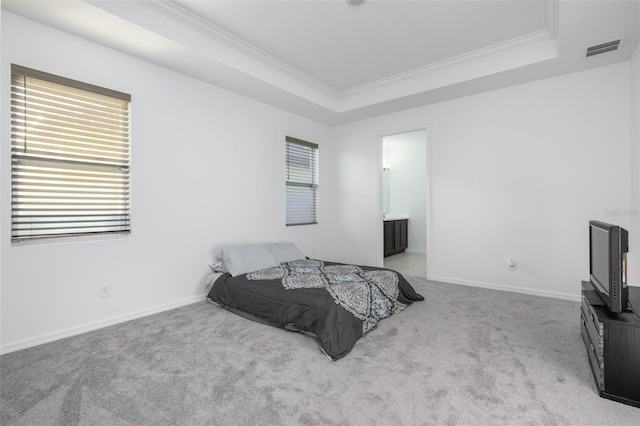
x=69, y=157
x=302, y=182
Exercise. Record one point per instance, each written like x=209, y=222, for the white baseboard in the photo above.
x=73, y=331
x=502, y=287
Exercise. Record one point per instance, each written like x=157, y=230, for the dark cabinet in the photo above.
x=613, y=346
x=396, y=238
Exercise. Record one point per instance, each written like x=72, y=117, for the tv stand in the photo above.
x=613, y=345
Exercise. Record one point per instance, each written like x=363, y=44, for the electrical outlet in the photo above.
x=105, y=290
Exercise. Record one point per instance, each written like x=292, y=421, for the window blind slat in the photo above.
x=18, y=71
x=26, y=213
x=30, y=103
x=56, y=93
x=51, y=130
x=70, y=157
x=35, y=186
x=76, y=156
x=88, y=145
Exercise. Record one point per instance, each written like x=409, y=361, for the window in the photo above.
x=69, y=157
x=302, y=182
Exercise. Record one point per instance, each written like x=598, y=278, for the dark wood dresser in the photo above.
x=613, y=345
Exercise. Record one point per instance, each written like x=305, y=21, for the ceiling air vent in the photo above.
x=609, y=46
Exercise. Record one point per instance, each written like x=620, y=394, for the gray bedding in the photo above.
x=334, y=302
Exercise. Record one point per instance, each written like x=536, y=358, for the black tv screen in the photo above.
x=608, y=247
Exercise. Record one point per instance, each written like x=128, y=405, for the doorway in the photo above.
x=404, y=197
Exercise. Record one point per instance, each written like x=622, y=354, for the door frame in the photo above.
x=380, y=204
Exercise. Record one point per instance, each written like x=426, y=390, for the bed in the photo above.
x=336, y=303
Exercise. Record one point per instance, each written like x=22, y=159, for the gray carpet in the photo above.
x=464, y=356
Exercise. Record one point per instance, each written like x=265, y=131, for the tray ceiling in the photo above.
x=334, y=63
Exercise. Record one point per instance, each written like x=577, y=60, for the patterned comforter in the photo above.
x=336, y=303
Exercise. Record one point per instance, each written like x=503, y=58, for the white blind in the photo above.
x=69, y=157
x=302, y=182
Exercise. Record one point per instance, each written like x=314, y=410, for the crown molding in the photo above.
x=549, y=34
x=194, y=22
x=541, y=36
x=190, y=20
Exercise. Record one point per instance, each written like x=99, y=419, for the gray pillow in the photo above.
x=245, y=258
x=285, y=252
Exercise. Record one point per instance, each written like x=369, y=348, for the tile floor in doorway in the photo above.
x=408, y=264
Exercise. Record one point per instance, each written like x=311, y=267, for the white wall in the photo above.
x=516, y=172
x=207, y=170
x=407, y=155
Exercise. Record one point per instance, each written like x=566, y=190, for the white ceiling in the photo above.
x=345, y=47
x=334, y=63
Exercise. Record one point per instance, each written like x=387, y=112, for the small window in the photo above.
x=69, y=157
x=302, y=182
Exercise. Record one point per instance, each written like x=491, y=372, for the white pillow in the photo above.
x=246, y=258
x=285, y=252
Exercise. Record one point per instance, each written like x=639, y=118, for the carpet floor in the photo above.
x=464, y=356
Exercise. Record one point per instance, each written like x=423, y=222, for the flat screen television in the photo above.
x=608, y=247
